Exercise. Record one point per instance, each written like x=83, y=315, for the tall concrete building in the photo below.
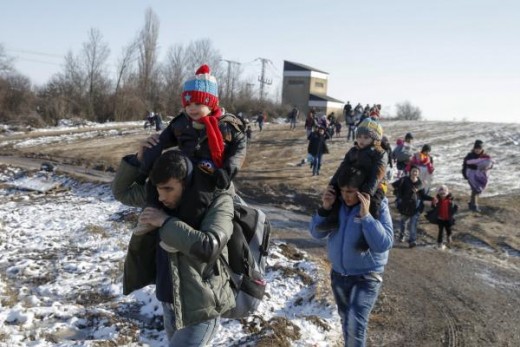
x=306, y=87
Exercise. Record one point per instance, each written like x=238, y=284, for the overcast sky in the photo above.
x=453, y=59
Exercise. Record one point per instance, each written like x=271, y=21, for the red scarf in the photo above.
x=215, y=140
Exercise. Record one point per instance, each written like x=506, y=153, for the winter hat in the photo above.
x=426, y=148
x=371, y=128
x=408, y=136
x=201, y=89
x=478, y=144
x=399, y=142
x=443, y=190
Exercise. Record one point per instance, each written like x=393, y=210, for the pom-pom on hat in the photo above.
x=443, y=190
x=201, y=89
x=371, y=128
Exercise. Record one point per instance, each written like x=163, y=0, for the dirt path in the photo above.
x=465, y=296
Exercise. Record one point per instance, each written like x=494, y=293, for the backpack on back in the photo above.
x=403, y=153
x=247, y=253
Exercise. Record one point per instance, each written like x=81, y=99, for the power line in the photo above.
x=39, y=61
x=24, y=51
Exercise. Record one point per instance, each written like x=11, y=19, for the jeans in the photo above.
x=195, y=335
x=355, y=297
x=316, y=164
x=351, y=132
x=412, y=226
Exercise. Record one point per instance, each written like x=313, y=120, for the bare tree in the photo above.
x=175, y=72
x=6, y=62
x=95, y=54
x=73, y=84
x=147, y=47
x=202, y=52
x=406, y=111
x=128, y=57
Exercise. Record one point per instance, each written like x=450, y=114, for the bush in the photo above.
x=406, y=111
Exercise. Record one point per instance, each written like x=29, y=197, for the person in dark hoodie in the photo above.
x=317, y=147
x=410, y=194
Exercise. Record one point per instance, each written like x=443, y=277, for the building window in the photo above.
x=319, y=84
x=295, y=82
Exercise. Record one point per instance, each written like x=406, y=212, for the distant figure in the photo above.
x=260, y=121
x=249, y=134
x=317, y=147
x=158, y=122
x=309, y=122
x=385, y=144
x=475, y=169
x=403, y=153
x=443, y=214
x=350, y=120
x=293, y=116
x=347, y=110
x=338, y=128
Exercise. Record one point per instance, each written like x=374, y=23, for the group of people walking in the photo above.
x=187, y=196
x=354, y=213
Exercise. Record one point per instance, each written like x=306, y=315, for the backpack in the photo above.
x=247, y=253
x=402, y=154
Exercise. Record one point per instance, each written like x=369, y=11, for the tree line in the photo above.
x=86, y=89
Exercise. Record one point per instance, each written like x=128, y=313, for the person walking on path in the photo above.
x=317, y=147
x=443, y=214
x=402, y=154
x=357, y=274
x=410, y=195
x=293, y=117
x=424, y=161
x=475, y=170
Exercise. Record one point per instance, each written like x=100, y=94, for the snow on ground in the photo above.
x=61, y=259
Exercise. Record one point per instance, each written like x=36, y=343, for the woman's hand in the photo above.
x=364, y=201
x=328, y=197
x=149, y=142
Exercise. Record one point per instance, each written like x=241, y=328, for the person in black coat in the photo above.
x=317, y=147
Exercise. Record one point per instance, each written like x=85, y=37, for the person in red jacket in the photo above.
x=442, y=214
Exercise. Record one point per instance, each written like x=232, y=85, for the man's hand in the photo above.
x=364, y=201
x=153, y=216
x=149, y=142
x=328, y=198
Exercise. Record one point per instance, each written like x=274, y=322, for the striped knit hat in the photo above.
x=201, y=89
x=371, y=128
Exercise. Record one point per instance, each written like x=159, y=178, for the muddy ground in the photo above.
x=467, y=295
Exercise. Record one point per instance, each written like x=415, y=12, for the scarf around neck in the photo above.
x=215, y=139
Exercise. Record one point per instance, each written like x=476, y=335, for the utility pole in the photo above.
x=229, y=89
x=262, y=79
